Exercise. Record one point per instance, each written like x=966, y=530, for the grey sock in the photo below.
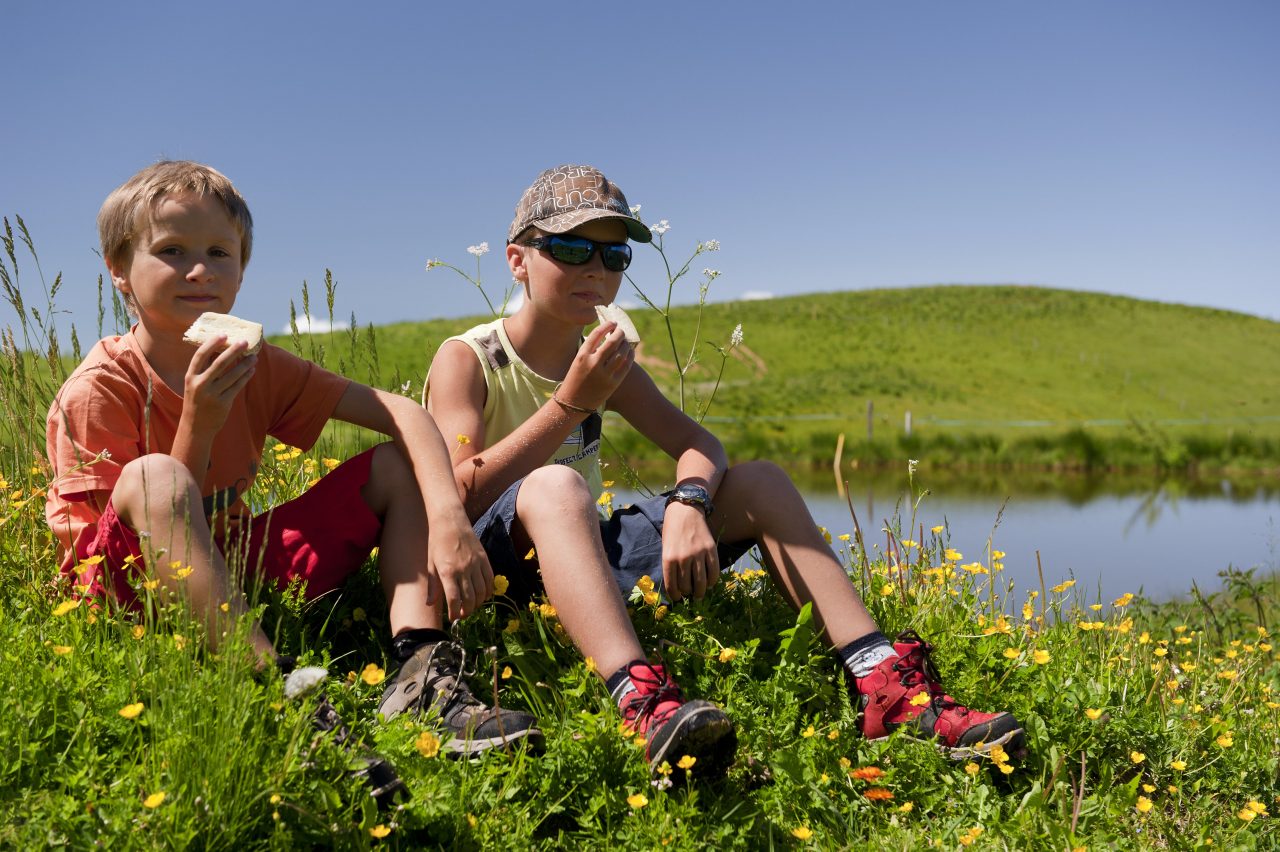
x=862, y=655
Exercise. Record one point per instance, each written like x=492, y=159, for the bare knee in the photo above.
x=758, y=480
x=554, y=491
x=152, y=489
x=389, y=475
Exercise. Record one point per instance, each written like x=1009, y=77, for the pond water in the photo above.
x=1112, y=535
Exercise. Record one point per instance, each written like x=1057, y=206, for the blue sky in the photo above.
x=1125, y=147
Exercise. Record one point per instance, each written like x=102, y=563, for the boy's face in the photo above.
x=564, y=290
x=185, y=261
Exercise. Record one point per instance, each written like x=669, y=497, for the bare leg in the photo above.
x=392, y=494
x=156, y=494
x=757, y=500
x=556, y=511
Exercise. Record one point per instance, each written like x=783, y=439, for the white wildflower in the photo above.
x=912, y=464
x=404, y=388
x=735, y=339
x=712, y=274
x=483, y=248
x=303, y=680
x=635, y=210
x=710, y=245
x=660, y=228
x=433, y=263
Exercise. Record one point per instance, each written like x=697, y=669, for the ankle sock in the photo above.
x=862, y=655
x=408, y=641
x=619, y=683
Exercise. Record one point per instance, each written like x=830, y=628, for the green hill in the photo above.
x=989, y=374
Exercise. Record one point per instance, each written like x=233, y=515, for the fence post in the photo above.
x=870, y=422
x=906, y=424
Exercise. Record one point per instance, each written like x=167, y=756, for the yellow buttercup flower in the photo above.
x=138, y=631
x=1143, y=804
x=506, y=672
x=64, y=608
x=155, y=800
x=500, y=584
x=727, y=655
x=1040, y=657
x=1012, y=653
x=808, y=732
x=132, y=711
x=1225, y=741
x=686, y=762
x=1178, y=765
x=1137, y=756
x=802, y=832
x=62, y=650
x=1093, y=713
x=373, y=675
x=379, y=831
x=637, y=800
x=427, y=744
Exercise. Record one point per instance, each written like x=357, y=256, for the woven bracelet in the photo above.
x=569, y=405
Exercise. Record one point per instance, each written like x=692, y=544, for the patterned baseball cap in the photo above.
x=563, y=198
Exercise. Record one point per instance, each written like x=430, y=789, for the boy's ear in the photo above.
x=119, y=277
x=515, y=260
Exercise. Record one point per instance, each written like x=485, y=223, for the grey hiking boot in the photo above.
x=430, y=682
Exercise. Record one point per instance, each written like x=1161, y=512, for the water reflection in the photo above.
x=1114, y=533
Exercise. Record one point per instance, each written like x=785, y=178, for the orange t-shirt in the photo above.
x=114, y=401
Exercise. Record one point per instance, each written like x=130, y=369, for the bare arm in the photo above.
x=453, y=553
x=457, y=402
x=690, y=564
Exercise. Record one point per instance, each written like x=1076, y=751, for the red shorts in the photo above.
x=321, y=537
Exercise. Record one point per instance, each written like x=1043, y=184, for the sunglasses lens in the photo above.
x=571, y=251
x=616, y=257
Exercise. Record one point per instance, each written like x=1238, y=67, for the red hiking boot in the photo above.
x=904, y=690
x=673, y=727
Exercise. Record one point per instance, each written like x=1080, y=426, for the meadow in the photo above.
x=1149, y=725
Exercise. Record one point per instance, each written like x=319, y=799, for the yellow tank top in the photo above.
x=514, y=392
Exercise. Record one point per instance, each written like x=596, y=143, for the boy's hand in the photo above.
x=212, y=381
x=690, y=561
x=602, y=362
x=457, y=567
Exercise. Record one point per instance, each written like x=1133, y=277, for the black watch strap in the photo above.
x=692, y=495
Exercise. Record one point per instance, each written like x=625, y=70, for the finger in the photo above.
x=698, y=579
x=671, y=580
x=622, y=365
x=610, y=345
x=433, y=588
x=453, y=596
x=686, y=580
x=713, y=569
x=597, y=334
x=234, y=388
x=206, y=353
x=483, y=582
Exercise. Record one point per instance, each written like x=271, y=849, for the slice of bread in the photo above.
x=613, y=313
x=210, y=325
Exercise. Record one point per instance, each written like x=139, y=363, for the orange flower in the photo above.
x=867, y=773
x=878, y=794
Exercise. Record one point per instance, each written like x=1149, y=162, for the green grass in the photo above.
x=240, y=768
x=1149, y=725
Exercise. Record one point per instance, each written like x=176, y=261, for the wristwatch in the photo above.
x=692, y=495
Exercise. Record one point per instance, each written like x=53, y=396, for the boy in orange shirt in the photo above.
x=178, y=433
x=528, y=390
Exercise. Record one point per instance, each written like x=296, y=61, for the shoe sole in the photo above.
x=968, y=752
x=701, y=730
x=461, y=747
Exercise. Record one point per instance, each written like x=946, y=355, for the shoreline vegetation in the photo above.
x=1150, y=725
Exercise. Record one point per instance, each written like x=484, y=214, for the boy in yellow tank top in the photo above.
x=528, y=391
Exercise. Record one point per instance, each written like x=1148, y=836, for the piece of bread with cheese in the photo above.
x=209, y=325
x=613, y=313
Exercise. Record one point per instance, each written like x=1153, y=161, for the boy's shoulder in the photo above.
x=111, y=365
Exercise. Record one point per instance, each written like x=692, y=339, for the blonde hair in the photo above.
x=126, y=212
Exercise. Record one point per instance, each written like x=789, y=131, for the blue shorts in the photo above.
x=632, y=539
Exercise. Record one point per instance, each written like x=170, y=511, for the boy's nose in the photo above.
x=199, y=271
